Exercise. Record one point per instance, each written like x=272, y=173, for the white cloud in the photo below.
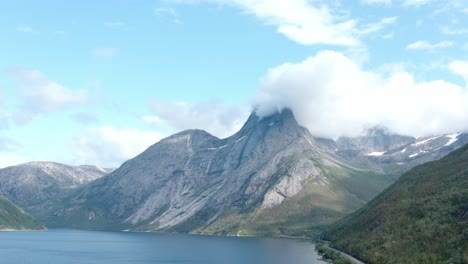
x=114, y=24
x=24, y=29
x=216, y=118
x=152, y=120
x=371, y=2
x=106, y=52
x=3, y=115
x=375, y=27
x=457, y=31
x=84, y=117
x=12, y=159
x=389, y=36
x=416, y=2
x=333, y=96
x=424, y=45
x=169, y=12
x=460, y=68
x=39, y=95
x=110, y=146
x=302, y=21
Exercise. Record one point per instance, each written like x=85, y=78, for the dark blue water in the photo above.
x=72, y=246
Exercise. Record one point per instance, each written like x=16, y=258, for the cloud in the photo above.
x=24, y=29
x=457, y=31
x=110, y=146
x=460, y=68
x=389, y=36
x=7, y=157
x=106, y=52
x=416, y=2
x=12, y=159
x=84, y=118
x=168, y=12
x=114, y=24
x=375, y=27
x=8, y=144
x=333, y=96
x=424, y=45
x=300, y=20
x=39, y=95
x=4, y=122
x=42, y=95
x=371, y=2
x=216, y=118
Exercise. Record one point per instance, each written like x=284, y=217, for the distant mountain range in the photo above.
x=34, y=184
x=422, y=218
x=270, y=178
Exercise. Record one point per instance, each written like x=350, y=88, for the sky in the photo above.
x=97, y=82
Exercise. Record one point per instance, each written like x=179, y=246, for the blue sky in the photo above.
x=96, y=82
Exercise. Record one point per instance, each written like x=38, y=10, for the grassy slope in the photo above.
x=13, y=217
x=422, y=218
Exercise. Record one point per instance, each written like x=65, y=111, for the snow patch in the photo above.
x=403, y=151
x=400, y=163
x=217, y=148
x=413, y=155
x=240, y=139
x=271, y=124
x=375, y=154
x=425, y=141
x=453, y=138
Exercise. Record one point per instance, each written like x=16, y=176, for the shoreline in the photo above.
x=349, y=257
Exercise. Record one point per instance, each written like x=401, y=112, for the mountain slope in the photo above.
x=272, y=177
x=14, y=218
x=422, y=218
x=34, y=183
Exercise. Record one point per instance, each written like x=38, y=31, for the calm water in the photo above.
x=72, y=246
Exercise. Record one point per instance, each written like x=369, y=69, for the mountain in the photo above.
x=270, y=178
x=395, y=154
x=422, y=218
x=14, y=218
x=33, y=183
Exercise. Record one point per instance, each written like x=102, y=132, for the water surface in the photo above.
x=73, y=246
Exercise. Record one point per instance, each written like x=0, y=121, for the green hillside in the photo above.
x=422, y=218
x=13, y=217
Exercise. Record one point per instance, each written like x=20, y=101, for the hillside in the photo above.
x=422, y=218
x=14, y=218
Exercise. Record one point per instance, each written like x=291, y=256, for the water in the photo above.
x=73, y=246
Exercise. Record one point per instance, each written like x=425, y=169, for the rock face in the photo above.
x=270, y=178
x=34, y=182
